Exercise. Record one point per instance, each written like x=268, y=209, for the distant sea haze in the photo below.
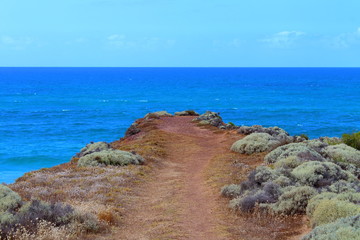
x=48, y=114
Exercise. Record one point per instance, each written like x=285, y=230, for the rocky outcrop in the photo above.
x=210, y=118
x=132, y=130
x=187, y=113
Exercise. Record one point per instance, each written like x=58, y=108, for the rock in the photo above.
x=132, y=130
x=187, y=113
x=158, y=114
x=93, y=147
x=110, y=157
x=210, y=118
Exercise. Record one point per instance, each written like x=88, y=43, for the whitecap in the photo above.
x=65, y=110
x=143, y=101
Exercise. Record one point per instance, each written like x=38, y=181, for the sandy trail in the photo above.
x=177, y=203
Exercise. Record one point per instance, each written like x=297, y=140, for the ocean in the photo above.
x=49, y=114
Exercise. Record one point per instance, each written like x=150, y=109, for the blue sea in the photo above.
x=48, y=114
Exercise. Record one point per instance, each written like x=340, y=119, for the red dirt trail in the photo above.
x=178, y=203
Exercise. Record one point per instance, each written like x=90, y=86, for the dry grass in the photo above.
x=105, y=192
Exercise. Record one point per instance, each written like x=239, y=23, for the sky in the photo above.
x=180, y=33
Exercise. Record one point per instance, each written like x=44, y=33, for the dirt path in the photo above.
x=177, y=203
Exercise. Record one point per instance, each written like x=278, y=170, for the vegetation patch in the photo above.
x=110, y=157
x=352, y=140
x=255, y=143
x=344, y=228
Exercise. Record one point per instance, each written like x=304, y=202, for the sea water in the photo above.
x=48, y=114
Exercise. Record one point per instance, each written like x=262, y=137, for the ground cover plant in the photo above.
x=319, y=178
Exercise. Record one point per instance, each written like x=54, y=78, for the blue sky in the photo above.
x=180, y=33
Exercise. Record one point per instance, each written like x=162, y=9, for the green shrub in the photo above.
x=344, y=186
x=352, y=140
x=343, y=229
x=328, y=211
x=320, y=174
x=231, y=191
x=9, y=200
x=290, y=162
x=346, y=196
x=302, y=151
x=283, y=181
x=306, y=137
x=158, y=114
x=110, y=157
x=293, y=200
x=343, y=153
x=93, y=147
x=255, y=143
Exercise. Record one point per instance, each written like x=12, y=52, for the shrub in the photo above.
x=302, y=151
x=346, y=196
x=273, y=131
x=331, y=140
x=283, y=181
x=344, y=228
x=158, y=114
x=9, y=200
x=330, y=210
x=343, y=153
x=93, y=147
x=352, y=140
x=290, y=162
x=31, y=215
x=255, y=143
x=320, y=174
x=110, y=157
x=344, y=186
x=231, y=191
x=306, y=137
x=34, y=211
x=264, y=174
x=246, y=203
x=293, y=201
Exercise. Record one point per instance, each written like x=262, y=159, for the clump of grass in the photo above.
x=352, y=140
